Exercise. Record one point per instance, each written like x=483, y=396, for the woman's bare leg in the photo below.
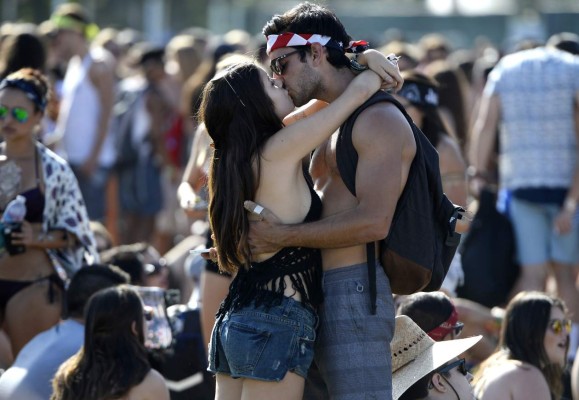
x=291, y=387
x=228, y=388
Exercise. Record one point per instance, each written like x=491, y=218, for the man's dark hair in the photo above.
x=129, y=258
x=428, y=310
x=312, y=18
x=144, y=52
x=566, y=41
x=419, y=390
x=89, y=280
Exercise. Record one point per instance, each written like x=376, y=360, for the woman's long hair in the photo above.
x=240, y=117
x=453, y=91
x=523, y=333
x=113, y=359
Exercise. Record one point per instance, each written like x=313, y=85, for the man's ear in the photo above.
x=437, y=383
x=318, y=54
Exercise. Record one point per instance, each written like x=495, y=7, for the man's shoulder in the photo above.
x=383, y=118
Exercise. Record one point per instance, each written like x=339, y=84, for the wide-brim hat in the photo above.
x=415, y=354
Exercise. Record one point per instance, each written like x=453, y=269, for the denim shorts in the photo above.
x=264, y=343
x=537, y=241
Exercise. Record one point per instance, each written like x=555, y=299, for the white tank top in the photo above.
x=80, y=113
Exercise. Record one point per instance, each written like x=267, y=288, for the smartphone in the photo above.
x=199, y=251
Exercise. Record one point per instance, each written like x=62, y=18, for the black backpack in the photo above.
x=489, y=255
x=422, y=240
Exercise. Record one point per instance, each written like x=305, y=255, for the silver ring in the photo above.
x=393, y=59
x=258, y=209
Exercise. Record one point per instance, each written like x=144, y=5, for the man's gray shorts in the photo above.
x=353, y=346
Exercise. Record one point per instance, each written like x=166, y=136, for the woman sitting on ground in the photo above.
x=112, y=364
x=532, y=351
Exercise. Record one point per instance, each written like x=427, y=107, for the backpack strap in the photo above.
x=347, y=160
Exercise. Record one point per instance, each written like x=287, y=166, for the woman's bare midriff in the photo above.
x=32, y=264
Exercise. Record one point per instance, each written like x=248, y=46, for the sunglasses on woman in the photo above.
x=459, y=364
x=558, y=325
x=18, y=113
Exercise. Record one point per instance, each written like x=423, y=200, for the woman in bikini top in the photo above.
x=55, y=228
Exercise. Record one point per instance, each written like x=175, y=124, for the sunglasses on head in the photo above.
x=559, y=325
x=459, y=364
x=18, y=113
x=276, y=66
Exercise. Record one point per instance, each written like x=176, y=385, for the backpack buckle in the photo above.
x=453, y=238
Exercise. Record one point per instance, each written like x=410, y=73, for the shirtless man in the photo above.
x=352, y=350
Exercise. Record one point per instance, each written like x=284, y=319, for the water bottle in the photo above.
x=15, y=210
x=12, y=222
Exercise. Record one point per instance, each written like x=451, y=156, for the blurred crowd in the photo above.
x=122, y=113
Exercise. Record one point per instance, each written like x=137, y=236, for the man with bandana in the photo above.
x=306, y=46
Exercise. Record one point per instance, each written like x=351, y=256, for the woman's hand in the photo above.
x=26, y=235
x=385, y=66
x=564, y=221
x=32, y=235
x=193, y=205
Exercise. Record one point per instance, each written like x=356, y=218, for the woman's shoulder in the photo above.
x=151, y=387
x=50, y=155
x=520, y=379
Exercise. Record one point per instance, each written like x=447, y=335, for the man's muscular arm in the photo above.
x=381, y=153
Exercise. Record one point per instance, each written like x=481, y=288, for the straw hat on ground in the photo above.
x=415, y=354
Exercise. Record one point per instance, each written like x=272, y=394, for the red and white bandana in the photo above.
x=289, y=39
x=444, y=328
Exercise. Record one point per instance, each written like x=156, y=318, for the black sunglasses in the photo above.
x=457, y=329
x=460, y=365
x=275, y=65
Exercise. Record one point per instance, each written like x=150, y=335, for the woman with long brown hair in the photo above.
x=112, y=364
x=532, y=351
